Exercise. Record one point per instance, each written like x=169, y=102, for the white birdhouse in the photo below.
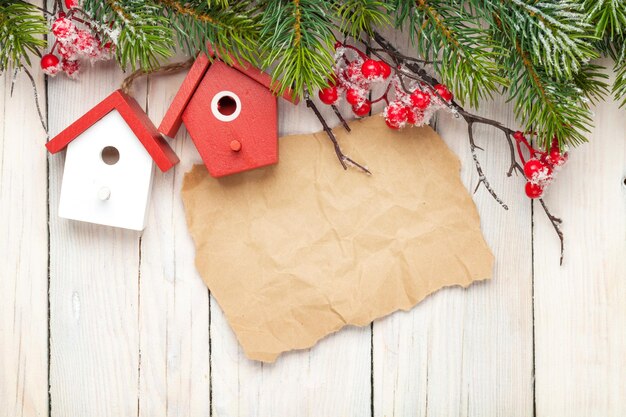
x=109, y=164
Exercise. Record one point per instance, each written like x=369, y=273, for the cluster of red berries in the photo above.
x=542, y=166
x=72, y=44
x=415, y=108
x=354, y=78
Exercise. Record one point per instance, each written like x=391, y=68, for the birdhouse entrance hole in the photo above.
x=110, y=155
x=226, y=106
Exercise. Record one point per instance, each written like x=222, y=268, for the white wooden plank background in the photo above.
x=101, y=322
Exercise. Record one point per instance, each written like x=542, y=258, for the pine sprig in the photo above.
x=231, y=30
x=609, y=19
x=362, y=16
x=448, y=34
x=297, y=38
x=556, y=35
x=21, y=30
x=141, y=33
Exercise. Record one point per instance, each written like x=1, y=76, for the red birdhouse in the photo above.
x=230, y=113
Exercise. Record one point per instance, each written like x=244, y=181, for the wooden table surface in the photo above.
x=96, y=321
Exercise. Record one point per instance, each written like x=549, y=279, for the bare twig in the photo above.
x=556, y=223
x=36, y=94
x=482, y=179
x=341, y=119
x=343, y=159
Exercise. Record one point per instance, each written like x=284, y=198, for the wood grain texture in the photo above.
x=174, y=303
x=94, y=291
x=580, y=308
x=332, y=379
x=467, y=352
x=134, y=332
x=23, y=252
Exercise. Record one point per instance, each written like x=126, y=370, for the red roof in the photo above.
x=173, y=118
x=141, y=125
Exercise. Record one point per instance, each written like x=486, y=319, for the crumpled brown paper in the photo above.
x=295, y=251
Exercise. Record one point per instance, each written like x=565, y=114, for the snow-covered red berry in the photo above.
x=443, y=92
x=395, y=115
x=371, y=69
x=354, y=96
x=532, y=168
x=329, y=95
x=556, y=158
x=414, y=116
x=71, y=3
x=71, y=68
x=362, y=109
x=353, y=71
x=68, y=51
x=50, y=64
x=63, y=28
x=385, y=69
x=87, y=44
x=420, y=99
x=533, y=190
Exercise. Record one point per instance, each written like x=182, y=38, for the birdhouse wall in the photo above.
x=230, y=145
x=109, y=194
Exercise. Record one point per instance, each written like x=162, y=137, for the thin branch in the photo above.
x=556, y=223
x=482, y=179
x=36, y=94
x=341, y=119
x=515, y=166
x=340, y=155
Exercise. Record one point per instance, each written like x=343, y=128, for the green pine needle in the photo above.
x=21, y=30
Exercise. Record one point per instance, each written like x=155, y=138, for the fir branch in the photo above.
x=296, y=39
x=555, y=35
x=232, y=31
x=139, y=30
x=609, y=19
x=447, y=33
x=554, y=106
x=362, y=16
x=21, y=28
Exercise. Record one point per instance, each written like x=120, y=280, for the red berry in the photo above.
x=48, y=61
x=71, y=3
x=329, y=95
x=371, y=69
x=392, y=125
x=414, y=116
x=363, y=109
x=353, y=70
x=518, y=135
x=532, y=167
x=71, y=68
x=354, y=96
x=338, y=45
x=443, y=92
x=396, y=114
x=555, y=158
x=420, y=99
x=385, y=70
x=533, y=190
